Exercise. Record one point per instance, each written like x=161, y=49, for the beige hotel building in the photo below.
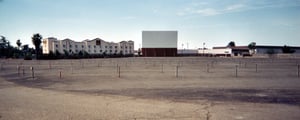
x=96, y=46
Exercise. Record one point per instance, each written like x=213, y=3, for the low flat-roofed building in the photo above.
x=265, y=49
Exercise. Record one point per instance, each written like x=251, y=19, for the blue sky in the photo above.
x=215, y=22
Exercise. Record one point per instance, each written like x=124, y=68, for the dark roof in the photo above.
x=240, y=48
x=234, y=48
x=220, y=47
x=276, y=47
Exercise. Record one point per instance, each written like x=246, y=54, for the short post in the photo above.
x=23, y=71
x=119, y=69
x=18, y=67
x=245, y=65
x=1, y=66
x=59, y=74
x=98, y=64
x=298, y=70
x=207, y=68
x=32, y=72
x=72, y=69
x=255, y=67
x=236, y=70
x=49, y=65
x=162, y=68
x=177, y=71
x=82, y=64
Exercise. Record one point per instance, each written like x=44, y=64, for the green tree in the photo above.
x=80, y=54
x=57, y=53
x=86, y=54
x=139, y=52
x=287, y=49
x=252, y=47
x=37, y=40
x=3, y=42
x=6, y=49
x=231, y=44
x=19, y=43
x=66, y=53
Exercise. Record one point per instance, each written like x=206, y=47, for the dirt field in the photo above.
x=180, y=88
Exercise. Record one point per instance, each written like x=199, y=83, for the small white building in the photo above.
x=187, y=52
x=95, y=46
x=224, y=51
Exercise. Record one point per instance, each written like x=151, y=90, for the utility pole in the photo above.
x=182, y=48
x=203, y=48
x=187, y=45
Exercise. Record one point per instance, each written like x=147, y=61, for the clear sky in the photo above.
x=215, y=22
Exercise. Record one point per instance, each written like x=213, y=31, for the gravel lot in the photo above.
x=151, y=88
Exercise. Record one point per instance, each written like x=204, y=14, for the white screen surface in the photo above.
x=159, y=39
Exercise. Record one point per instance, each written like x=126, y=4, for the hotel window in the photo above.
x=89, y=46
x=82, y=46
x=110, y=51
x=116, y=51
x=64, y=46
x=116, y=47
x=70, y=46
x=94, y=51
x=56, y=45
x=110, y=47
x=126, y=47
x=100, y=50
x=76, y=46
x=105, y=46
x=94, y=46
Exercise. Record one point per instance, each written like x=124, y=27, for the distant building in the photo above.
x=159, y=43
x=187, y=52
x=265, y=49
x=216, y=51
x=95, y=46
x=227, y=51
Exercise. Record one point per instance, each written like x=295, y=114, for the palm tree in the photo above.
x=19, y=43
x=37, y=40
x=3, y=42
